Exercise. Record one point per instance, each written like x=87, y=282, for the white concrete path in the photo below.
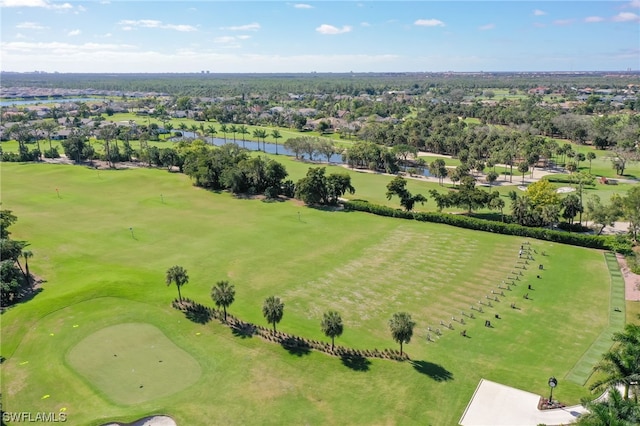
x=494, y=404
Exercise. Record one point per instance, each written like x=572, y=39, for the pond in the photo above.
x=46, y=101
x=272, y=148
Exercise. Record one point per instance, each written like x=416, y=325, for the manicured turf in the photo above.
x=99, y=275
x=133, y=363
x=581, y=372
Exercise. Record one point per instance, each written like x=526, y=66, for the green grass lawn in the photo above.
x=131, y=363
x=99, y=275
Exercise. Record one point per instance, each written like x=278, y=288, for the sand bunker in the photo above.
x=565, y=190
x=148, y=421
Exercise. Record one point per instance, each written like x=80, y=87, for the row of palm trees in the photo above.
x=210, y=130
x=223, y=295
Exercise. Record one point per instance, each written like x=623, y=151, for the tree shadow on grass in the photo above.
x=296, y=346
x=355, y=362
x=243, y=331
x=198, y=313
x=435, y=371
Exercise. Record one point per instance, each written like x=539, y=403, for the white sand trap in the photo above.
x=522, y=187
x=494, y=404
x=565, y=190
x=148, y=421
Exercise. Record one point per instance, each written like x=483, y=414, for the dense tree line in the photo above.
x=231, y=167
x=15, y=279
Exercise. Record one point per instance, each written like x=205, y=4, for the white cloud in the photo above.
x=224, y=39
x=634, y=4
x=591, y=19
x=248, y=27
x=538, y=12
x=74, y=33
x=327, y=29
x=20, y=36
x=626, y=17
x=243, y=37
x=487, y=27
x=59, y=48
x=563, y=22
x=429, y=23
x=35, y=3
x=30, y=26
x=128, y=25
x=302, y=6
x=365, y=24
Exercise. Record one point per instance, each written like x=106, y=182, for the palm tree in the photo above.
x=223, y=294
x=182, y=126
x=211, y=130
x=523, y=168
x=256, y=134
x=224, y=129
x=332, y=325
x=27, y=254
x=194, y=130
x=275, y=134
x=590, y=156
x=273, y=309
x=168, y=127
x=48, y=127
x=233, y=129
x=243, y=131
x=612, y=411
x=401, y=327
x=262, y=134
x=178, y=275
x=621, y=367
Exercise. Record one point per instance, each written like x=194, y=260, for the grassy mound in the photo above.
x=133, y=363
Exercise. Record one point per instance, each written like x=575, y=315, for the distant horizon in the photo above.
x=632, y=71
x=271, y=37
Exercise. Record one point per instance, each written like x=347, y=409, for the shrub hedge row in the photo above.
x=590, y=241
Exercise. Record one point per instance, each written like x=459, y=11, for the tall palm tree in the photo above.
x=168, y=127
x=401, y=327
x=194, y=129
x=224, y=129
x=275, y=134
x=243, y=131
x=332, y=325
x=223, y=294
x=256, y=134
x=211, y=130
x=233, y=129
x=262, y=134
x=48, y=127
x=273, y=309
x=27, y=254
x=178, y=275
x=182, y=126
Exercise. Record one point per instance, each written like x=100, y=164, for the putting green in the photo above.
x=133, y=363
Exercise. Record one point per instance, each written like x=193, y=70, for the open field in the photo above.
x=99, y=275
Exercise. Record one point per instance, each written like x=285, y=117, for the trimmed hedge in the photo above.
x=590, y=241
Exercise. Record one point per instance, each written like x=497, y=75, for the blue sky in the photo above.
x=324, y=36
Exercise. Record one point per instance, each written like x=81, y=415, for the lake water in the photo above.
x=271, y=148
x=45, y=101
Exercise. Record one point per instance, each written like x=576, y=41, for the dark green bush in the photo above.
x=590, y=241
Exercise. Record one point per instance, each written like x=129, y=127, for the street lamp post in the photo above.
x=552, y=384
